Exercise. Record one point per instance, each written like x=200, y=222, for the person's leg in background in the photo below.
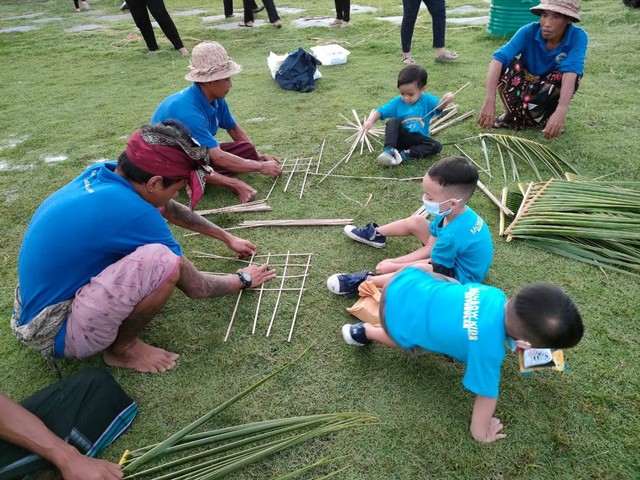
x=438, y=12
x=410, y=10
x=159, y=12
x=138, y=10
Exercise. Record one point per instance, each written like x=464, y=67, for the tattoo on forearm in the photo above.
x=184, y=217
x=196, y=284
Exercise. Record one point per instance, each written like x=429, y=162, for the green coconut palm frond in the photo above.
x=215, y=453
x=593, y=222
x=514, y=152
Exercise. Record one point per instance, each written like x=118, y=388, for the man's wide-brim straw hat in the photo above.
x=210, y=62
x=569, y=8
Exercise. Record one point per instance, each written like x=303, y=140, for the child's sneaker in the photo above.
x=404, y=155
x=346, y=283
x=389, y=157
x=367, y=234
x=85, y=5
x=355, y=334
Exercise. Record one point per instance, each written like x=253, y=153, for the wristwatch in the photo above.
x=245, y=278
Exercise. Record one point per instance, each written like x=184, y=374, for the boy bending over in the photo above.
x=423, y=311
x=457, y=243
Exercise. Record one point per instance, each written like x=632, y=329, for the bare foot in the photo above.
x=184, y=52
x=141, y=357
x=246, y=193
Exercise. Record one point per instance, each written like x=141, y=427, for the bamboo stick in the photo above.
x=269, y=255
x=482, y=169
x=492, y=197
x=519, y=212
x=453, y=96
x=235, y=309
x=275, y=308
x=304, y=181
x=332, y=169
x=370, y=178
x=296, y=223
x=320, y=155
x=452, y=122
x=255, y=318
x=295, y=313
x=275, y=181
x=446, y=114
x=291, y=175
x=348, y=121
x=254, y=206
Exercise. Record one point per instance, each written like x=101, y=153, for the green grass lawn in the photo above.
x=80, y=95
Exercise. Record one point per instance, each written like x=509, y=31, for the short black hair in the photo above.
x=171, y=128
x=412, y=73
x=457, y=172
x=546, y=316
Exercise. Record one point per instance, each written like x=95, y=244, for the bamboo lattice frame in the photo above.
x=295, y=270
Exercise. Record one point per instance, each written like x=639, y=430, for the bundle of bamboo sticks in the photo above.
x=255, y=206
x=295, y=222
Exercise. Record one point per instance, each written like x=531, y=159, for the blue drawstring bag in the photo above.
x=297, y=70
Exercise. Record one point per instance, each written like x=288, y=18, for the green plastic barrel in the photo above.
x=507, y=16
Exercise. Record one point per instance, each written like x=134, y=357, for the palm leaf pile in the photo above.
x=593, y=222
x=215, y=453
x=513, y=153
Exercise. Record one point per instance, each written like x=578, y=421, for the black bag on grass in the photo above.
x=297, y=70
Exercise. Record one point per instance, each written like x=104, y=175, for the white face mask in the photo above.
x=433, y=208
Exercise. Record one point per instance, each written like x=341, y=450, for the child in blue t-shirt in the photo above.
x=424, y=311
x=407, y=130
x=456, y=243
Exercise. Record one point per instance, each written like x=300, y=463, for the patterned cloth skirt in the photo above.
x=529, y=100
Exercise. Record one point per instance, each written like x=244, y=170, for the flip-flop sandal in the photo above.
x=499, y=122
x=407, y=59
x=246, y=24
x=447, y=57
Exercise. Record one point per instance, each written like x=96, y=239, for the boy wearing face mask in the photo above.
x=456, y=243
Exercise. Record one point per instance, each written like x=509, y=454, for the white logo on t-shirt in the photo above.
x=471, y=312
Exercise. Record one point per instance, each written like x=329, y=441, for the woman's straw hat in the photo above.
x=210, y=62
x=569, y=8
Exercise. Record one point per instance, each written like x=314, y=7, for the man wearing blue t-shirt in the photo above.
x=203, y=109
x=98, y=260
x=422, y=310
x=537, y=72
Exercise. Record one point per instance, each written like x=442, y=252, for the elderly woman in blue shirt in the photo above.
x=537, y=72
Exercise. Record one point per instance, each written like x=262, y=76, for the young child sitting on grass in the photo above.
x=457, y=243
x=407, y=130
x=424, y=311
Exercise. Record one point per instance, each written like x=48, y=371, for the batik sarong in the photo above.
x=529, y=99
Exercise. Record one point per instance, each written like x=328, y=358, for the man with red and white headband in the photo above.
x=98, y=260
